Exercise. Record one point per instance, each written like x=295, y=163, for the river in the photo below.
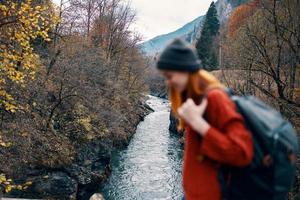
x=150, y=167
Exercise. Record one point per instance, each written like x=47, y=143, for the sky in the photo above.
x=156, y=17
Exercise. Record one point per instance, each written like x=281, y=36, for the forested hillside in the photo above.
x=260, y=45
x=71, y=90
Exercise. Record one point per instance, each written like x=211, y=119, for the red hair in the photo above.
x=198, y=83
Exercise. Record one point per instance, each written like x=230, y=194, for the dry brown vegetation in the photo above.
x=88, y=86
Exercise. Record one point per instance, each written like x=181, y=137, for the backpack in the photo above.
x=271, y=173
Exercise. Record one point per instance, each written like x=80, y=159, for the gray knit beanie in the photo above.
x=179, y=56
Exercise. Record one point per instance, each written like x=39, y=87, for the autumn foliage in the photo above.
x=20, y=23
x=71, y=76
x=240, y=15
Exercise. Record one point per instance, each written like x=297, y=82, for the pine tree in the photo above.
x=206, y=46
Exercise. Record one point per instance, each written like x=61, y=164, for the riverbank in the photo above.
x=86, y=172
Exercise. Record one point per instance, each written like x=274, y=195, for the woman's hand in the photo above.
x=193, y=115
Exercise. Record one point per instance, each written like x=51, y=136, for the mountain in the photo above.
x=190, y=31
x=156, y=44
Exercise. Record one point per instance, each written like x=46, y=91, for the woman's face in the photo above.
x=176, y=79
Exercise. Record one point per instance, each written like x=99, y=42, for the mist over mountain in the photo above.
x=190, y=31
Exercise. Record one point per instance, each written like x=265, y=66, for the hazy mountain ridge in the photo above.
x=190, y=31
x=154, y=45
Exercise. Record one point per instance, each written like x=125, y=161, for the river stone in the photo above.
x=97, y=196
x=92, y=159
x=93, y=151
x=92, y=167
x=57, y=184
x=173, y=123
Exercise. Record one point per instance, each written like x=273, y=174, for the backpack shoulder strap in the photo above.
x=229, y=91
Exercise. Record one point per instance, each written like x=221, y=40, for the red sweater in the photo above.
x=227, y=141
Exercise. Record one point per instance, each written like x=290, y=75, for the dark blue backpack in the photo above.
x=271, y=174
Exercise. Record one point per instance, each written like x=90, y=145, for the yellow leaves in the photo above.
x=3, y=10
x=13, y=6
x=24, y=134
x=7, y=101
x=9, y=186
x=17, y=58
x=45, y=177
x=25, y=187
x=4, y=94
x=10, y=107
x=4, y=144
x=38, y=8
x=19, y=187
x=6, y=183
x=27, y=183
x=2, y=178
x=86, y=123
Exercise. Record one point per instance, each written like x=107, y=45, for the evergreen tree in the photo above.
x=206, y=46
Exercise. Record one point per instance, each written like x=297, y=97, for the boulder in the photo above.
x=97, y=196
x=56, y=184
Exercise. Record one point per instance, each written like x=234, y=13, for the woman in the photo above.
x=215, y=132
